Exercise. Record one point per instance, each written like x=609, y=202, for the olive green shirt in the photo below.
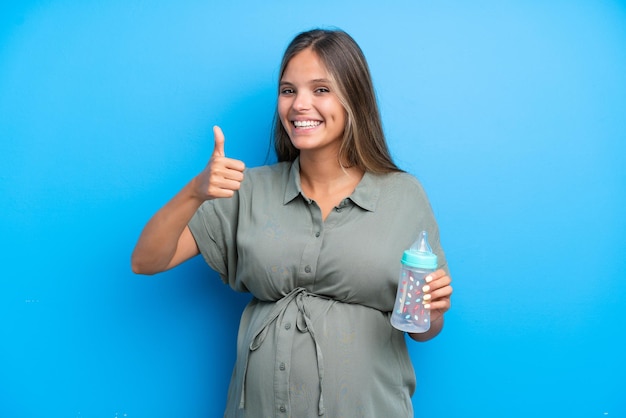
x=316, y=338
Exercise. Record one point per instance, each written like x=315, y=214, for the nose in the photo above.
x=302, y=102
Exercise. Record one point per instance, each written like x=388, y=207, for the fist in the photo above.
x=222, y=176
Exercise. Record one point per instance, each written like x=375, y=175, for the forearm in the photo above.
x=433, y=331
x=159, y=240
x=166, y=241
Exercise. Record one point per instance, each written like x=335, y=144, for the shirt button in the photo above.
x=282, y=366
x=338, y=209
x=288, y=325
x=307, y=269
x=317, y=235
x=283, y=409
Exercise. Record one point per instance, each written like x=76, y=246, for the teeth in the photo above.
x=306, y=123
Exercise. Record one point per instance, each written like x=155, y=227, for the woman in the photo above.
x=316, y=239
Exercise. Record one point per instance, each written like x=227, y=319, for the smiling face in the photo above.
x=308, y=106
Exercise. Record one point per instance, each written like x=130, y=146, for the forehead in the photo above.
x=305, y=64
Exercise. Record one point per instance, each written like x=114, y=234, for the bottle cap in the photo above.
x=420, y=254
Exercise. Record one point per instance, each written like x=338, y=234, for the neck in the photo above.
x=326, y=175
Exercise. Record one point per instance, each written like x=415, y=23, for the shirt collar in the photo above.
x=293, y=188
x=365, y=195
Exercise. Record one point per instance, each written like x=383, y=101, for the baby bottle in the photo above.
x=417, y=262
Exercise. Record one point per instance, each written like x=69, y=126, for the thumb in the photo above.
x=218, y=135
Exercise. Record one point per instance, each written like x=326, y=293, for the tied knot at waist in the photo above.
x=303, y=323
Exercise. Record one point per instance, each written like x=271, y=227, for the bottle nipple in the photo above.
x=421, y=244
x=420, y=254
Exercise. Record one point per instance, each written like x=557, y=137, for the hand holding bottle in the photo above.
x=410, y=312
x=423, y=294
x=437, y=292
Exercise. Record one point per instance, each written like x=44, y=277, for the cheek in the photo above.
x=283, y=104
x=339, y=116
x=336, y=111
x=283, y=111
x=286, y=126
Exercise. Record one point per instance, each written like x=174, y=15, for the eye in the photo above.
x=321, y=90
x=287, y=91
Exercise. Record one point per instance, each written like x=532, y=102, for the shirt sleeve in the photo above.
x=214, y=227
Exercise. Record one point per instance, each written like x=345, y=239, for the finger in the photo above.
x=223, y=188
x=218, y=135
x=435, y=275
x=440, y=306
x=439, y=294
x=226, y=183
x=437, y=283
x=237, y=166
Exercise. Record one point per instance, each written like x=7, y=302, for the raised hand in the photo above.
x=166, y=240
x=222, y=176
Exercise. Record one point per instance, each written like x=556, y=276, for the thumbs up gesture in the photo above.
x=222, y=176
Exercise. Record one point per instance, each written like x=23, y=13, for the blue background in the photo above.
x=512, y=113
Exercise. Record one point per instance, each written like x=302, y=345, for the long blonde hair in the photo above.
x=363, y=145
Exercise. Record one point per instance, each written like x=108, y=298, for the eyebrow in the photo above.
x=314, y=81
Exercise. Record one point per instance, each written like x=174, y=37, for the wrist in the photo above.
x=194, y=191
